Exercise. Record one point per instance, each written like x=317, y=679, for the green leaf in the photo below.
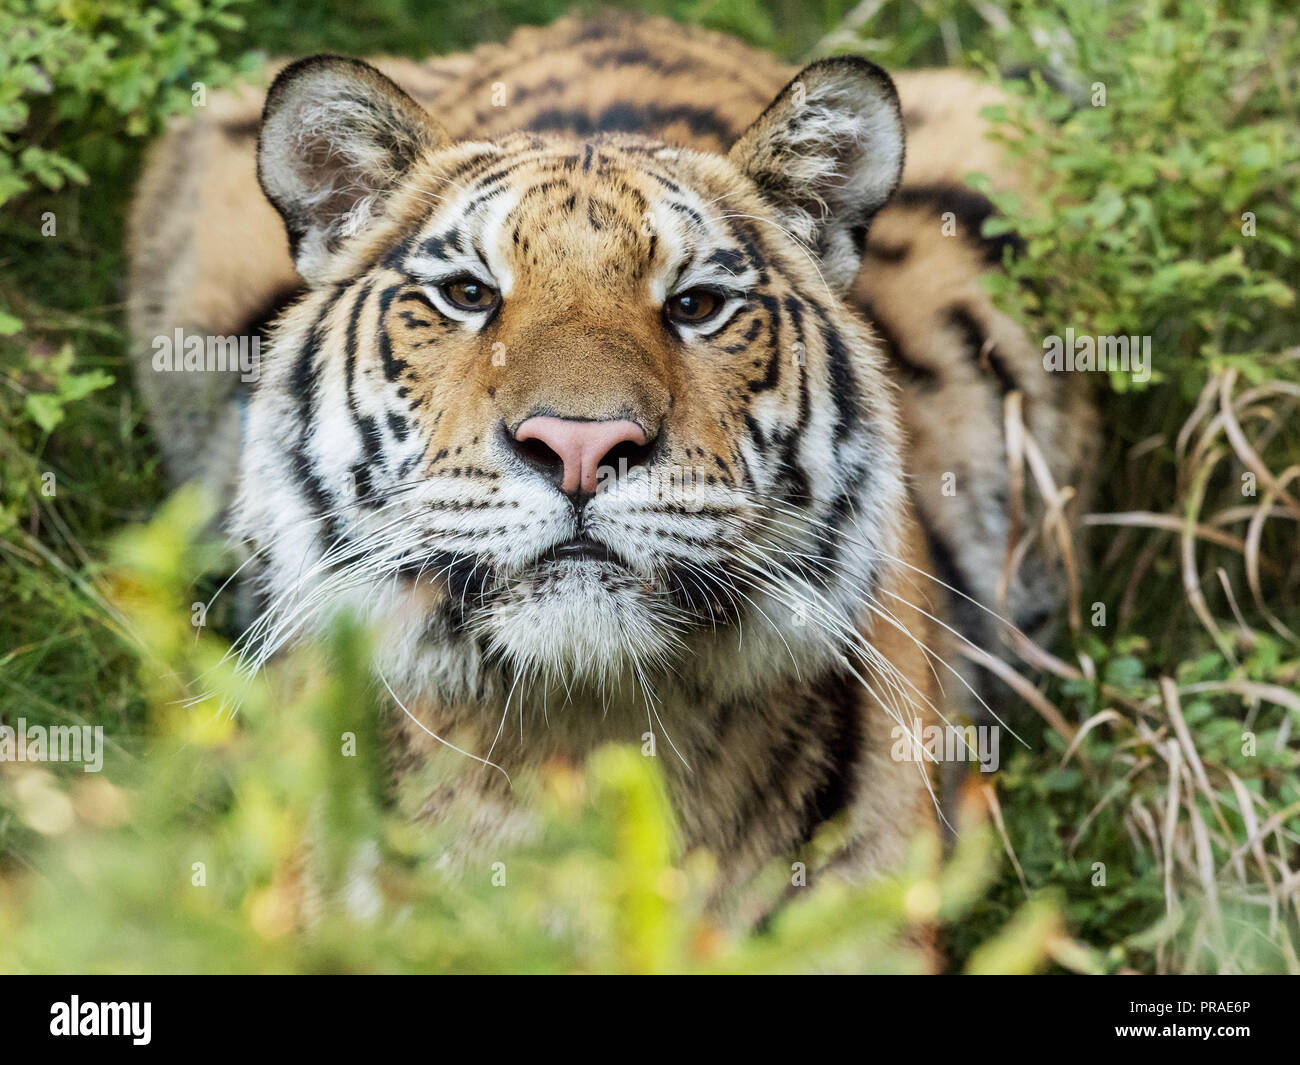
x=77, y=386
x=44, y=409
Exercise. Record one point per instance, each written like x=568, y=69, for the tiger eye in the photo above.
x=470, y=295
x=694, y=306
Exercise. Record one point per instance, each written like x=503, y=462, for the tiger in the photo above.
x=615, y=375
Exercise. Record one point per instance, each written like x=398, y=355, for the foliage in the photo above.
x=1138, y=229
x=1183, y=226
x=1159, y=137
x=265, y=842
x=75, y=69
x=81, y=85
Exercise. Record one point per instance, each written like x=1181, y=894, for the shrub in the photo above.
x=1162, y=816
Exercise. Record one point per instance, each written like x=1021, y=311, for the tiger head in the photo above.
x=574, y=410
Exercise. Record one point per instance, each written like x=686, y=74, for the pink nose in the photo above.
x=577, y=448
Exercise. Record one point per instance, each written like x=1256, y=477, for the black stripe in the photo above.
x=978, y=349
x=969, y=207
x=911, y=371
x=841, y=510
x=244, y=130
x=395, y=257
x=670, y=185
x=794, y=483
x=844, y=385
x=437, y=245
x=843, y=746
x=638, y=56
x=627, y=117
x=483, y=197
x=394, y=367
x=887, y=253
x=495, y=177
x=466, y=580
x=772, y=375
x=746, y=236
x=966, y=616
x=708, y=593
x=260, y=322
x=794, y=310
x=689, y=211
x=367, y=428
x=728, y=258
x=303, y=384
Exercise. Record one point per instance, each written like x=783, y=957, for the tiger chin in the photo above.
x=574, y=400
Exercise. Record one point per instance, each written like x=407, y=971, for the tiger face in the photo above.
x=573, y=411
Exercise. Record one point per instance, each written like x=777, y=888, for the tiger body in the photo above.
x=766, y=625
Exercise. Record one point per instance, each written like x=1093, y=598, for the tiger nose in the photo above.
x=570, y=452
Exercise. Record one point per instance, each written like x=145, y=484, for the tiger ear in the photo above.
x=828, y=154
x=336, y=138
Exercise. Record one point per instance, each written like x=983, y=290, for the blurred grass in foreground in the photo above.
x=1160, y=137
x=259, y=842
x=1198, y=838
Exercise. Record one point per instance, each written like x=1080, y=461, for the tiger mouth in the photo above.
x=581, y=549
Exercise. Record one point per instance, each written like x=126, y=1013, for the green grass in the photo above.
x=1143, y=234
